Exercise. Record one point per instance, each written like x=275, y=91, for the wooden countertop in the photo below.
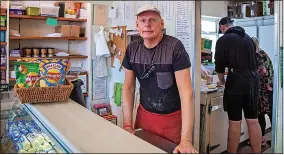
x=90, y=133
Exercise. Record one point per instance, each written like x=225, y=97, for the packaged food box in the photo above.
x=64, y=30
x=32, y=11
x=26, y=73
x=3, y=36
x=16, y=12
x=54, y=71
x=3, y=20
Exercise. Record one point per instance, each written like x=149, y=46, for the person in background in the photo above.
x=235, y=51
x=162, y=67
x=265, y=72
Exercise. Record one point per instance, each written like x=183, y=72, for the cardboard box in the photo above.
x=75, y=31
x=64, y=29
x=206, y=45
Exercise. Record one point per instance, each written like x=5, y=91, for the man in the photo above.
x=162, y=66
x=235, y=51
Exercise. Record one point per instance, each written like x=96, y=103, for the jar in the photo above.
x=36, y=52
x=50, y=52
x=28, y=52
x=43, y=52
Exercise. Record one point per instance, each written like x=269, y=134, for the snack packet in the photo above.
x=54, y=70
x=26, y=73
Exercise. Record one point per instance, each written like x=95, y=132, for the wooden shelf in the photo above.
x=2, y=28
x=3, y=43
x=3, y=68
x=44, y=18
x=55, y=57
x=12, y=79
x=3, y=14
x=47, y=38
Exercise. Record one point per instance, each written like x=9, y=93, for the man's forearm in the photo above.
x=127, y=105
x=187, y=110
x=221, y=77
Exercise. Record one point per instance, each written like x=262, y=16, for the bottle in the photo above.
x=3, y=57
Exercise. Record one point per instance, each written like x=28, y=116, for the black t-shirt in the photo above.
x=159, y=92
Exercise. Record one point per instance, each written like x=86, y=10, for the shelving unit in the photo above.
x=3, y=43
x=47, y=38
x=44, y=18
x=33, y=36
x=55, y=57
x=3, y=28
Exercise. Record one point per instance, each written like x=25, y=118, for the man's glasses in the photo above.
x=147, y=72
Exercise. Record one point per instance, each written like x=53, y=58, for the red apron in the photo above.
x=167, y=126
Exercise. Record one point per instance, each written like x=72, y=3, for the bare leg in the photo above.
x=234, y=135
x=254, y=135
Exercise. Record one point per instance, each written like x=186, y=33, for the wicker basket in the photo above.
x=35, y=94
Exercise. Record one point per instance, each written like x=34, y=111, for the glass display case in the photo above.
x=22, y=132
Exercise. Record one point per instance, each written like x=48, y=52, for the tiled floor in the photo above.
x=246, y=149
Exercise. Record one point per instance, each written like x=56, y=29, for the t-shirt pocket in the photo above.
x=164, y=80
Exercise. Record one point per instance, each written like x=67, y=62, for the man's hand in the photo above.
x=129, y=129
x=220, y=84
x=185, y=147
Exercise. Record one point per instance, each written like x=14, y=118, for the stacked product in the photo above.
x=27, y=137
x=42, y=80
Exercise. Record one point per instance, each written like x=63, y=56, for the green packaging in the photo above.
x=26, y=74
x=3, y=21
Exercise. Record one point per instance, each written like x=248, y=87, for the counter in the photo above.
x=78, y=130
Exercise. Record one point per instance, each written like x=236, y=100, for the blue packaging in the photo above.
x=3, y=36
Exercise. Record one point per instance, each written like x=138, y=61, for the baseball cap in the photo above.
x=225, y=20
x=148, y=7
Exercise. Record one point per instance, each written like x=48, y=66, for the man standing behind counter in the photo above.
x=162, y=66
x=236, y=51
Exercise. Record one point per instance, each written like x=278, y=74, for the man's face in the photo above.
x=149, y=24
x=223, y=28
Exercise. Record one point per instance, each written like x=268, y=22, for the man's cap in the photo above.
x=148, y=7
x=225, y=20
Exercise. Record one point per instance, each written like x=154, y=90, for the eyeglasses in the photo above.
x=147, y=72
x=151, y=21
x=150, y=68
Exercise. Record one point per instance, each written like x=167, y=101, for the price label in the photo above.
x=51, y=21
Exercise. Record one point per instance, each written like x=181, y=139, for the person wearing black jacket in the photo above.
x=236, y=51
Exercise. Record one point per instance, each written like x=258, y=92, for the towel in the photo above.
x=117, y=93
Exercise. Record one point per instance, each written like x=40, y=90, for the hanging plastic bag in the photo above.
x=101, y=39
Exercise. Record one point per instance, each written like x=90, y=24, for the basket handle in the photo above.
x=37, y=81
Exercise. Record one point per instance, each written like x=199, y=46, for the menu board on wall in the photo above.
x=184, y=24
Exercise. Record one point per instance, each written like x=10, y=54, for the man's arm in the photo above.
x=221, y=60
x=221, y=77
x=184, y=84
x=128, y=97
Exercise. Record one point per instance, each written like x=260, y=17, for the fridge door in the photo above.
x=218, y=126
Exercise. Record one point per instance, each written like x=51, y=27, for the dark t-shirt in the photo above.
x=159, y=92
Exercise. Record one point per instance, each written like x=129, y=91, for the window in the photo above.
x=209, y=30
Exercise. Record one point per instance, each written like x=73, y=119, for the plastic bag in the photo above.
x=206, y=74
x=101, y=39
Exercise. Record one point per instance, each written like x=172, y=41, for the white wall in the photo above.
x=214, y=8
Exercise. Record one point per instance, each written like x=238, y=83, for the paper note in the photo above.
x=100, y=91
x=100, y=14
x=112, y=13
x=129, y=8
x=120, y=13
x=51, y=21
x=183, y=24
